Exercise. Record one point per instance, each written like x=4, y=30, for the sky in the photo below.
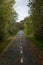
x=22, y=9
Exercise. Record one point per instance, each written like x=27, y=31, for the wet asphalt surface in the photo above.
x=18, y=52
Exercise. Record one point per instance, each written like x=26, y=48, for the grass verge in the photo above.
x=4, y=44
x=38, y=43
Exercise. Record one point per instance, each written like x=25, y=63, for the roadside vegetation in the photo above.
x=7, y=22
x=34, y=23
x=4, y=44
x=8, y=25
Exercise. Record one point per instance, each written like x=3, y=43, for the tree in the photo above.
x=36, y=8
x=28, y=26
x=6, y=14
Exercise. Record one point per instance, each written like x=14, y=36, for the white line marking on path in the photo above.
x=21, y=51
x=21, y=60
x=21, y=47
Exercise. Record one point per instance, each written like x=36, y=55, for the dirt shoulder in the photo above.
x=36, y=52
x=10, y=39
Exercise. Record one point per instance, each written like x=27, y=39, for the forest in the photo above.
x=32, y=25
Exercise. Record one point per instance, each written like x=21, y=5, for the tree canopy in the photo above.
x=36, y=16
x=6, y=17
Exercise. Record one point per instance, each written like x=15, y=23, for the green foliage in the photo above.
x=36, y=16
x=28, y=26
x=6, y=17
x=34, y=30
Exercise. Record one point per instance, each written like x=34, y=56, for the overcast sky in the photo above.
x=21, y=9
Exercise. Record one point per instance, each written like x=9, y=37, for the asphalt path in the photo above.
x=18, y=53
